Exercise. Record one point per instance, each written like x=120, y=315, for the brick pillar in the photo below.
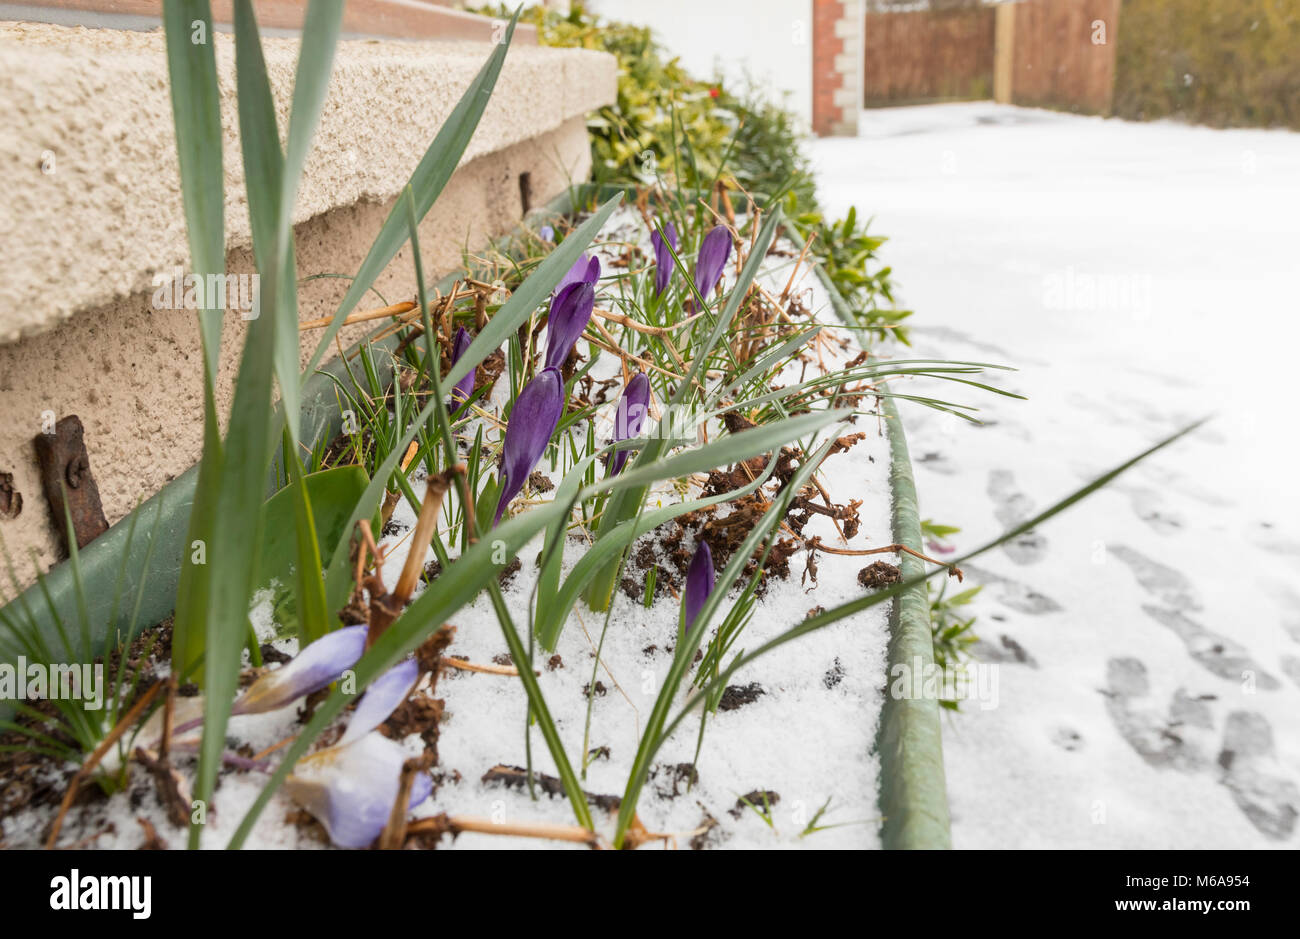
x=837, y=67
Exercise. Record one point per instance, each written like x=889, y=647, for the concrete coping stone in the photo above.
x=93, y=207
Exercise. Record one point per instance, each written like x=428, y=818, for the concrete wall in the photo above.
x=79, y=330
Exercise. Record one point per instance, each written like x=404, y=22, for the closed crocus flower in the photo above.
x=570, y=313
x=664, y=264
x=316, y=666
x=350, y=787
x=699, y=584
x=465, y=387
x=533, y=419
x=632, y=407
x=712, y=259
x=585, y=270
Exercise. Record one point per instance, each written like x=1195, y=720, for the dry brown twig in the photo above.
x=457, y=824
x=394, y=834
x=395, y=309
x=463, y=665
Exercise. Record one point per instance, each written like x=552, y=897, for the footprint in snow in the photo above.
x=1192, y=711
x=1007, y=651
x=1148, y=505
x=1164, y=583
x=1216, y=653
x=1067, y=738
x=1270, y=802
x=1160, y=742
x=1265, y=535
x=1245, y=759
x=1011, y=507
x=938, y=463
x=1012, y=593
x=1291, y=665
x=1288, y=602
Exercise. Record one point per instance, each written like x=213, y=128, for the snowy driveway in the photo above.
x=1139, y=276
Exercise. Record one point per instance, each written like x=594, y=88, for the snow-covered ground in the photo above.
x=1140, y=276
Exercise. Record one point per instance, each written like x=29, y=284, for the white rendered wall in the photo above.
x=768, y=40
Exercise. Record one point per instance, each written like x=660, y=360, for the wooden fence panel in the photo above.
x=926, y=56
x=1064, y=54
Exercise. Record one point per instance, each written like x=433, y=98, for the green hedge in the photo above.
x=1226, y=63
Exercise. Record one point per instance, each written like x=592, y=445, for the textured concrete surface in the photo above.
x=79, y=333
x=93, y=206
x=132, y=372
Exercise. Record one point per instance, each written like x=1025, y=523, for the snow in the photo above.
x=1156, y=706
x=809, y=737
x=805, y=741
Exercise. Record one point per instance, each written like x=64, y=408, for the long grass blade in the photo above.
x=426, y=182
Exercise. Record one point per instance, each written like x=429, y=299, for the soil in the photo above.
x=736, y=696
x=516, y=777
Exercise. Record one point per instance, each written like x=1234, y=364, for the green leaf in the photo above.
x=623, y=502
x=559, y=599
x=331, y=495
x=196, y=113
x=238, y=522
x=507, y=320
x=426, y=182
x=657, y=733
x=462, y=580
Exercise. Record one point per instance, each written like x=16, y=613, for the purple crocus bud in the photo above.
x=585, y=270
x=664, y=264
x=712, y=259
x=316, y=666
x=533, y=419
x=546, y=233
x=570, y=312
x=465, y=387
x=350, y=788
x=632, y=407
x=382, y=697
x=699, y=584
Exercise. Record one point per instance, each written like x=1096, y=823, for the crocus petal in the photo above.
x=664, y=264
x=533, y=419
x=699, y=584
x=351, y=789
x=311, y=670
x=382, y=697
x=632, y=407
x=712, y=259
x=465, y=387
x=585, y=270
x=546, y=233
x=570, y=313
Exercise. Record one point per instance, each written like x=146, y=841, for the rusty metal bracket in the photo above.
x=68, y=483
x=11, y=500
